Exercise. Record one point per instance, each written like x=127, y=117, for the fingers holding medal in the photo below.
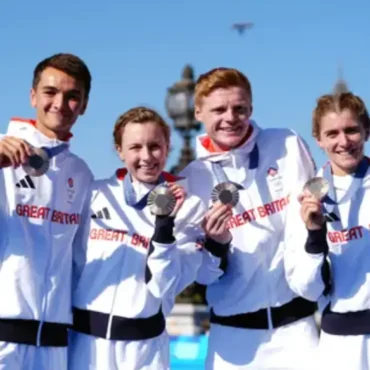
x=166, y=199
x=311, y=207
x=215, y=222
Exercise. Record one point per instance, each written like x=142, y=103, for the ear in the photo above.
x=120, y=153
x=319, y=143
x=198, y=113
x=33, y=98
x=251, y=111
x=83, y=109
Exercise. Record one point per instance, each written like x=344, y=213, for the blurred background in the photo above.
x=150, y=53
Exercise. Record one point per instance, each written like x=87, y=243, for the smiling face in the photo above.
x=59, y=99
x=343, y=138
x=144, y=150
x=225, y=112
x=341, y=127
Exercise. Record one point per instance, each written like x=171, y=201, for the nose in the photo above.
x=343, y=140
x=59, y=102
x=146, y=154
x=229, y=115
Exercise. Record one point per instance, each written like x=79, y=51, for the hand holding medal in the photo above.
x=215, y=222
x=166, y=199
x=311, y=209
x=13, y=151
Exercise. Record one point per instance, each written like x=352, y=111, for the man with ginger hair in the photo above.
x=257, y=321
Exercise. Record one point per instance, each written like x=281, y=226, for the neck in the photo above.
x=222, y=148
x=135, y=180
x=63, y=136
x=338, y=171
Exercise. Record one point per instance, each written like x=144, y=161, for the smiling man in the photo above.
x=257, y=321
x=41, y=198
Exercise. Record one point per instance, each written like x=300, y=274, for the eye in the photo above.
x=218, y=110
x=331, y=134
x=49, y=93
x=74, y=96
x=155, y=146
x=241, y=109
x=353, y=130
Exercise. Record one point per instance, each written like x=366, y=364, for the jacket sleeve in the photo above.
x=200, y=259
x=163, y=263
x=304, y=252
x=80, y=240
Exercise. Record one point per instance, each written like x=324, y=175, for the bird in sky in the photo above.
x=242, y=27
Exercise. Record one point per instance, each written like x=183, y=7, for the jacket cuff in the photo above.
x=163, y=232
x=216, y=249
x=316, y=241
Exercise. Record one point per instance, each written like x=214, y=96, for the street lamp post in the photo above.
x=180, y=107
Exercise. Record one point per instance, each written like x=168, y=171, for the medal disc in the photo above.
x=318, y=187
x=161, y=201
x=37, y=163
x=226, y=193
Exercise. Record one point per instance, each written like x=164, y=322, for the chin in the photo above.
x=148, y=178
x=231, y=143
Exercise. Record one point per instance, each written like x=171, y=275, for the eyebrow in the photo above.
x=49, y=87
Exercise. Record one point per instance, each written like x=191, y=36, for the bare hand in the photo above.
x=180, y=195
x=311, y=211
x=13, y=151
x=215, y=221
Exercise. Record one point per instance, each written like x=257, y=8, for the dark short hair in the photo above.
x=67, y=63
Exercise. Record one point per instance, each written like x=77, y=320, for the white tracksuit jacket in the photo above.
x=345, y=339
x=112, y=263
x=39, y=217
x=255, y=273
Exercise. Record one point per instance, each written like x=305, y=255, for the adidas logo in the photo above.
x=104, y=213
x=25, y=183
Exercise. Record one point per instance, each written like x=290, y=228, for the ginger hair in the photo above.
x=220, y=78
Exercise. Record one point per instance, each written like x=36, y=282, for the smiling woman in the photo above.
x=341, y=127
x=142, y=140
x=339, y=232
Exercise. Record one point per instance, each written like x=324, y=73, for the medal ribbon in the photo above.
x=330, y=200
x=253, y=164
x=52, y=152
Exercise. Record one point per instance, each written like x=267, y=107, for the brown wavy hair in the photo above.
x=338, y=102
x=139, y=115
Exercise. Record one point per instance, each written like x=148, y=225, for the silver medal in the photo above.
x=318, y=187
x=226, y=193
x=161, y=201
x=37, y=163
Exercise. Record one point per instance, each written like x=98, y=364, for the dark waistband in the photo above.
x=288, y=313
x=347, y=323
x=121, y=328
x=28, y=331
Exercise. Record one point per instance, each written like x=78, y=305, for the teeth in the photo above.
x=148, y=167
